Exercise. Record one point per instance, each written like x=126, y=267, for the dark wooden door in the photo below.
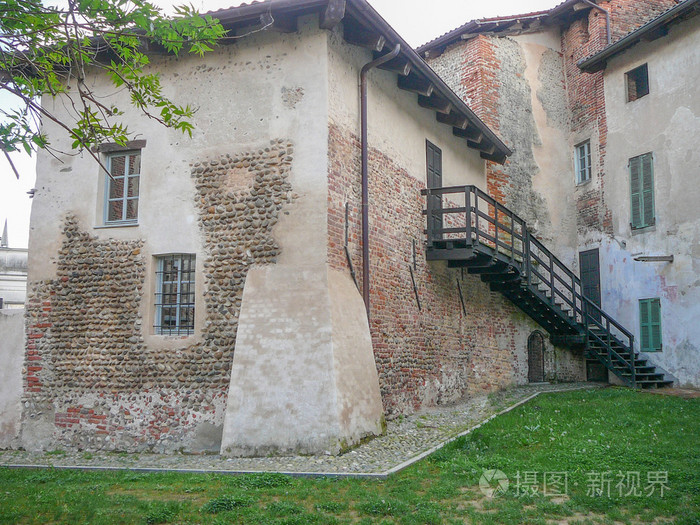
x=596, y=371
x=590, y=276
x=434, y=180
x=535, y=357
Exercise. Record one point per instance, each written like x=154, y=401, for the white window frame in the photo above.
x=179, y=304
x=583, y=162
x=125, y=192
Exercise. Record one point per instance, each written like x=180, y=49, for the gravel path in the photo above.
x=407, y=439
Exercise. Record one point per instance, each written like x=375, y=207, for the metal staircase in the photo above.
x=469, y=229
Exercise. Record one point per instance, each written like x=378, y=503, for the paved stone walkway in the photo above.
x=407, y=439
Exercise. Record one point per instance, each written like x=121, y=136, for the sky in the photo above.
x=417, y=21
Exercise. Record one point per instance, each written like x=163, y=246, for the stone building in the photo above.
x=600, y=103
x=225, y=293
x=208, y=298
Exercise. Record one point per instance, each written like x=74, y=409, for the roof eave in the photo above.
x=408, y=53
x=598, y=61
x=495, y=149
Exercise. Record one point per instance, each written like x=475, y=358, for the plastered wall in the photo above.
x=666, y=122
x=11, y=354
x=249, y=188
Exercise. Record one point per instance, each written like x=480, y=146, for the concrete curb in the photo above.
x=370, y=475
x=358, y=475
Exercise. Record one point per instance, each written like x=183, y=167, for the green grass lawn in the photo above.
x=615, y=449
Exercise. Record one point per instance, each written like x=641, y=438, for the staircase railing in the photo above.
x=468, y=215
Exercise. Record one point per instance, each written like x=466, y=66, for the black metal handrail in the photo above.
x=475, y=218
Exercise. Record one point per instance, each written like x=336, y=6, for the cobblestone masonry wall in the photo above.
x=89, y=376
x=437, y=354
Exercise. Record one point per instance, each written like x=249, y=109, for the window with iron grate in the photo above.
x=175, y=278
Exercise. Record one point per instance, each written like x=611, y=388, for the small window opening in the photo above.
x=583, y=162
x=637, y=83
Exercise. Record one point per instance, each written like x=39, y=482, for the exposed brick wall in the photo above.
x=469, y=68
x=628, y=15
x=490, y=76
x=88, y=371
x=436, y=354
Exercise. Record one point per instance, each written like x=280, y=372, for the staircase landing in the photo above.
x=471, y=230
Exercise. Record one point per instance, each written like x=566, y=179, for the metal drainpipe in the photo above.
x=365, y=185
x=607, y=18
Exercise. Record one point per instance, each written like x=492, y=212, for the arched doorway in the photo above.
x=535, y=357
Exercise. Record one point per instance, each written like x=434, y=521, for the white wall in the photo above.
x=242, y=95
x=397, y=125
x=667, y=123
x=12, y=358
x=552, y=149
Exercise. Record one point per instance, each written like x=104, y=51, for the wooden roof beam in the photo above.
x=279, y=23
x=435, y=102
x=332, y=14
x=397, y=65
x=453, y=119
x=656, y=33
x=434, y=53
x=416, y=84
x=472, y=134
x=487, y=148
x=493, y=157
x=357, y=35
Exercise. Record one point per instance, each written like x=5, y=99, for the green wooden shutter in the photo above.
x=642, y=191
x=648, y=189
x=650, y=324
x=655, y=324
x=644, y=325
x=636, y=192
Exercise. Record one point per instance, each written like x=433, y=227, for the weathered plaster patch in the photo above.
x=550, y=91
x=292, y=96
x=517, y=126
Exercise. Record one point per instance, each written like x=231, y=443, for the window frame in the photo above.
x=179, y=329
x=588, y=165
x=633, y=76
x=109, y=159
x=648, y=305
x=647, y=216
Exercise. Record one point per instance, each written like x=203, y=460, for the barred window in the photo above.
x=175, y=294
x=122, y=187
